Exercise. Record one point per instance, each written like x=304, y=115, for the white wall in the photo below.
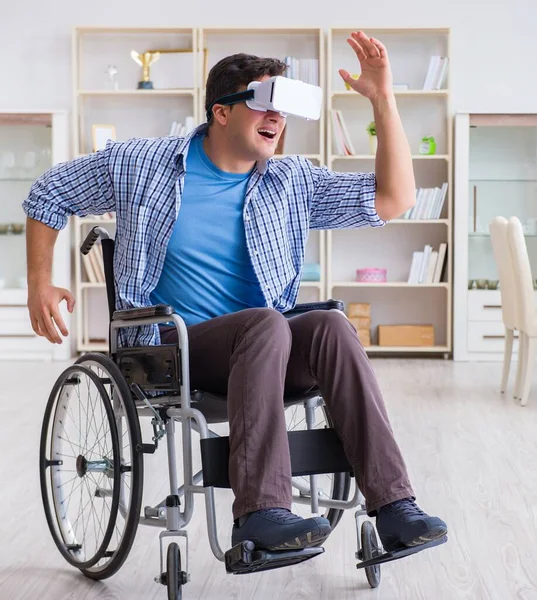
x=494, y=44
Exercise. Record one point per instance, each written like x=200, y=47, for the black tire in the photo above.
x=174, y=575
x=341, y=482
x=72, y=448
x=370, y=549
x=127, y=419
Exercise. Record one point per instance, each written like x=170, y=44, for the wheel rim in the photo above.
x=173, y=572
x=79, y=467
x=330, y=485
x=127, y=444
x=371, y=549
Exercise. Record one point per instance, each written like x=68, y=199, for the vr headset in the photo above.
x=280, y=94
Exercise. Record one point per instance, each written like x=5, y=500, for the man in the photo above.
x=211, y=225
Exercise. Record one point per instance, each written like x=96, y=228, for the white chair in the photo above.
x=504, y=263
x=523, y=284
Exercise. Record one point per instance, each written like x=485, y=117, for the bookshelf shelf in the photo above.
x=425, y=113
x=149, y=93
x=419, y=222
x=407, y=349
x=388, y=284
x=348, y=93
x=373, y=157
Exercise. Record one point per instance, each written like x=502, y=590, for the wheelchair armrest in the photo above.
x=159, y=310
x=308, y=306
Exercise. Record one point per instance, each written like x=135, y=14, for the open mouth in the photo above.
x=267, y=133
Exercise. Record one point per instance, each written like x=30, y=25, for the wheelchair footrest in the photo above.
x=400, y=553
x=245, y=558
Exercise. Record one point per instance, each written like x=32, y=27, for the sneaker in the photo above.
x=280, y=529
x=403, y=523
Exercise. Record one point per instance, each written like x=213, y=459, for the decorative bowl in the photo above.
x=371, y=275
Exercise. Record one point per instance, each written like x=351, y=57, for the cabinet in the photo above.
x=30, y=144
x=424, y=105
x=495, y=175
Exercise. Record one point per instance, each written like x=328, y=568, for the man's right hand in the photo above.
x=43, y=304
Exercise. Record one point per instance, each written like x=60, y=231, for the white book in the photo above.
x=86, y=261
x=442, y=73
x=346, y=136
x=432, y=266
x=337, y=134
x=442, y=250
x=415, y=267
x=434, y=63
x=425, y=262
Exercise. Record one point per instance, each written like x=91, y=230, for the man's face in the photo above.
x=254, y=134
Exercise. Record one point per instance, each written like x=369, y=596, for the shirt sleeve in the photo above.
x=343, y=200
x=80, y=187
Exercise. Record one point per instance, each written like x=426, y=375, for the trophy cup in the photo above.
x=145, y=60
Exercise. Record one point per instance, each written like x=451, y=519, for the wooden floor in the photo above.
x=471, y=452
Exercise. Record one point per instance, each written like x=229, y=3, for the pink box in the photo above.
x=371, y=275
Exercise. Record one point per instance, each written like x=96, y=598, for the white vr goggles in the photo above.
x=280, y=94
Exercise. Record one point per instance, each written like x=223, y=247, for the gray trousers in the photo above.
x=256, y=356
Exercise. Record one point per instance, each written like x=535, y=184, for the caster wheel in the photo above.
x=175, y=578
x=370, y=549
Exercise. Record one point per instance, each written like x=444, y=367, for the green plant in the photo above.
x=371, y=128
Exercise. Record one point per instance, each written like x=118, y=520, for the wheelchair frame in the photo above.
x=171, y=517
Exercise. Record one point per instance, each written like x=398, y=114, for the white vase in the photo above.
x=373, y=144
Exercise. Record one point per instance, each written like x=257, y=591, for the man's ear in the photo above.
x=220, y=113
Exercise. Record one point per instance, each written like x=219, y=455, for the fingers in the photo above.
x=60, y=322
x=358, y=49
x=49, y=330
x=70, y=299
x=380, y=47
x=345, y=75
x=367, y=48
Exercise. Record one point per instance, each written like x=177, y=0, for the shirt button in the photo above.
x=247, y=218
x=256, y=252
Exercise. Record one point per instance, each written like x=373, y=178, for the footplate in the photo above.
x=400, y=553
x=245, y=558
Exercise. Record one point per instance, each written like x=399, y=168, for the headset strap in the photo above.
x=230, y=99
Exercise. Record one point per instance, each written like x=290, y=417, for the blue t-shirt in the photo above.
x=207, y=270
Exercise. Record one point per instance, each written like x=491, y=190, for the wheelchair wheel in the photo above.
x=130, y=486
x=175, y=578
x=370, y=549
x=333, y=486
x=79, y=462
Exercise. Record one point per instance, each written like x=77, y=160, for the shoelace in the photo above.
x=406, y=507
x=281, y=515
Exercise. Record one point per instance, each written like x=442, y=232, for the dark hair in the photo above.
x=234, y=72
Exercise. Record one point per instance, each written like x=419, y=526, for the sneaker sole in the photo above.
x=309, y=539
x=436, y=533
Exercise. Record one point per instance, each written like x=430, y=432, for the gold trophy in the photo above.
x=145, y=60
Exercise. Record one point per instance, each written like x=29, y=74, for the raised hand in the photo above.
x=376, y=78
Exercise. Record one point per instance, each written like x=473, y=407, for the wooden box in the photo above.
x=359, y=309
x=406, y=335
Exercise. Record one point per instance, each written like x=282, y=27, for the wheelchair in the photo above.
x=92, y=456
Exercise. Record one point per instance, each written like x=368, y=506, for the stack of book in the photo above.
x=342, y=139
x=304, y=69
x=94, y=264
x=359, y=314
x=436, y=73
x=429, y=203
x=182, y=129
x=428, y=265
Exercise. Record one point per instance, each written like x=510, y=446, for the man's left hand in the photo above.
x=376, y=78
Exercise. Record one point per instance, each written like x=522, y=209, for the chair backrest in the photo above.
x=504, y=263
x=108, y=259
x=522, y=275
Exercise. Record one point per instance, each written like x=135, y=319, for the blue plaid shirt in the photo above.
x=142, y=180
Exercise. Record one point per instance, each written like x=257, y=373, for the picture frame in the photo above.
x=100, y=134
